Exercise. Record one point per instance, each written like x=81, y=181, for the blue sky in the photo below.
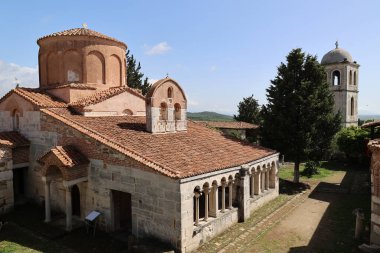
x=219, y=51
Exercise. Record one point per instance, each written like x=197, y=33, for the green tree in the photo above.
x=353, y=141
x=134, y=76
x=299, y=120
x=248, y=110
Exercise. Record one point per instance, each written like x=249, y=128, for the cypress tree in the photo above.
x=134, y=76
x=299, y=120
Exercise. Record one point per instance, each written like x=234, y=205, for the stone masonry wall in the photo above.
x=6, y=180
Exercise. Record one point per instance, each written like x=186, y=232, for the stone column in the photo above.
x=262, y=181
x=47, y=201
x=206, y=192
x=267, y=180
x=243, y=194
x=223, y=197
x=197, y=194
x=257, y=183
x=69, y=210
x=214, y=201
x=252, y=189
x=230, y=185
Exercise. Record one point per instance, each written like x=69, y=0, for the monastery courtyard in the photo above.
x=313, y=218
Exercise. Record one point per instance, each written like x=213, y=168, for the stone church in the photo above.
x=83, y=141
x=343, y=75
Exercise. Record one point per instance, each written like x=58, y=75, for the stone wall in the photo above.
x=374, y=146
x=6, y=180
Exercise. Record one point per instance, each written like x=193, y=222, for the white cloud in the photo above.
x=152, y=81
x=160, y=48
x=11, y=74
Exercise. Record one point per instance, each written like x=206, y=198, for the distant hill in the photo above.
x=367, y=117
x=209, y=116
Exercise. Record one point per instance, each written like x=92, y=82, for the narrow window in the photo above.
x=350, y=78
x=16, y=120
x=336, y=78
x=170, y=92
x=352, y=106
x=354, y=77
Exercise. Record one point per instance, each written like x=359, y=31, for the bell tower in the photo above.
x=343, y=76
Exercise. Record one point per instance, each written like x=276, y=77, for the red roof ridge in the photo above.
x=118, y=147
x=104, y=95
x=13, y=139
x=37, y=97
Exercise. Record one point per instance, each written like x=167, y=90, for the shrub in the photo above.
x=352, y=141
x=311, y=168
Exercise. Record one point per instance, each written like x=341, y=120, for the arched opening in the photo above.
x=252, y=183
x=95, y=68
x=336, y=78
x=75, y=200
x=15, y=120
x=163, y=111
x=236, y=191
x=355, y=81
x=198, y=205
x=257, y=181
x=128, y=112
x=177, y=111
x=350, y=78
x=352, y=106
x=170, y=92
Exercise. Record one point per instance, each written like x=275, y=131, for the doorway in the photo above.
x=122, y=210
x=75, y=200
x=19, y=184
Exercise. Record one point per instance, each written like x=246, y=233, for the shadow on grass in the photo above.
x=290, y=188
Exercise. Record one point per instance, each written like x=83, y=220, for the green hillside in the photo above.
x=209, y=116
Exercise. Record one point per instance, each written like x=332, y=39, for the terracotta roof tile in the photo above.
x=177, y=155
x=229, y=124
x=104, y=95
x=375, y=123
x=13, y=139
x=68, y=155
x=82, y=32
x=37, y=97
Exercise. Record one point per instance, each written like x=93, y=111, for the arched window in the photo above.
x=177, y=111
x=128, y=112
x=15, y=120
x=170, y=92
x=163, y=111
x=352, y=106
x=336, y=78
x=354, y=77
x=350, y=78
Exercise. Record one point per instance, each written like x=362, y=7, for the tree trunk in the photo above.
x=296, y=172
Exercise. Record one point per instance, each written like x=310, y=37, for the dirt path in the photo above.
x=318, y=220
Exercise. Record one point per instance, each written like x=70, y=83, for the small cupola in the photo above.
x=166, y=107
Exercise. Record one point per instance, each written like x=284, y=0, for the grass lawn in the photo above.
x=325, y=169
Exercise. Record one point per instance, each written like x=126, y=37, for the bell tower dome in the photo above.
x=343, y=76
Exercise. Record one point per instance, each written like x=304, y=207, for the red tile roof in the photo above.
x=82, y=32
x=177, y=155
x=68, y=155
x=229, y=124
x=36, y=97
x=78, y=86
x=13, y=139
x=104, y=95
x=375, y=123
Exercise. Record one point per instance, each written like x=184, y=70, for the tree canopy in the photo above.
x=299, y=120
x=248, y=110
x=135, y=76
